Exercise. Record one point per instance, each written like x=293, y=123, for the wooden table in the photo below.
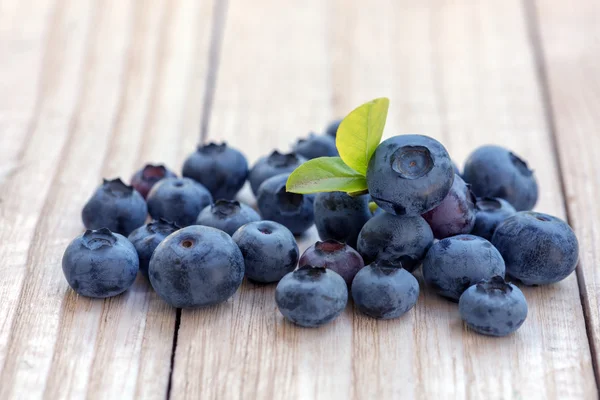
x=92, y=89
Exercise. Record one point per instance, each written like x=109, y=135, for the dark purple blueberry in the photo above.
x=456, y=213
x=100, y=264
x=493, y=171
x=334, y=255
x=179, y=200
x=455, y=263
x=227, y=215
x=146, y=238
x=221, y=169
x=292, y=210
x=144, y=179
x=196, y=266
x=539, y=249
x=384, y=292
x=409, y=174
x=115, y=206
x=491, y=212
x=394, y=240
x=316, y=146
x=311, y=296
x=270, y=250
x=340, y=217
x=332, y=128
x=275, y=163
x=493, y=307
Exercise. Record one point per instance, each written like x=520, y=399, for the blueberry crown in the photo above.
x=494, y=286
x=162, y=226
x=224, y=208
x=117, y=188
x=96, y=239
x=212, y=147
x=279, y=160
x=309, y=272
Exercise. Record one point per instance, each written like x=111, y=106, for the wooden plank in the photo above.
x=459, y=71
x=130, y=107
x=567, y=39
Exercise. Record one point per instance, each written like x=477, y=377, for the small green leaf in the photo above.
x=325, y=174
x=373, y=207
x=360, y=132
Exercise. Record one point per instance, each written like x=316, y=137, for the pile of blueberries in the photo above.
x=467, y=230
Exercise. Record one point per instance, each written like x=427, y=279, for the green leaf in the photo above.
x=360, y=132
x=325, y=174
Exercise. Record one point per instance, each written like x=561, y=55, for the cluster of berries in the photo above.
x=468, y=231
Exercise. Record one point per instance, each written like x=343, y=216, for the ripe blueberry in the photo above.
x=270, y=250
x=409, y=174
x=539, y=249
x=494, y=171
x=196, y=266
x=100, y=264
x=336, y=256
x=146, y=238
x=340, y=217
x=455, y=263
x=316, y=146
x=144, y=179
x=491, y=212
x=115, y=206
x=493, y=307
x=227, y=215
x=311, y=296
x=271, y=165
x=179, y=200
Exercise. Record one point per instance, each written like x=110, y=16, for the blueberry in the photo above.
x=455, y=263
x=493, y=307
x=227, y=215
x=395, y=240
x=316, y=146
x=179, y=200
x=146, y=238
x=340, y=217
x=409, y=174
x=292, y=210
x=384, y=292
x=100, y=264
x=490, y=213
x=455, y=214
x=270, y=250
x=271, y=165
x=494, y=171
x=196, y=266
x=539, y=249
x=311, y=296
x=221, y=169
x=144, y=179
x=332, y=128
x=115, y=206
x=336, y=256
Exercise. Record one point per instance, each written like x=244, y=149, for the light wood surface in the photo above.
x=92, y=89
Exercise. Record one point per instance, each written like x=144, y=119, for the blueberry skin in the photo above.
x=384, y=292
x=196, y=266
x=221, y=169
x=491, y=212
x=539, y=249
x=144, y=179
x=409, y=174
x=270, y=250
x=311, y=296
x=227, y=215
x=455, y=263
x=146, y=238
x=179, y=200
x=292, y=210
x=494, y=171
x=332, y=128
x=316, y=146
x=340, y=217
x=456, y=213
x=394, y=240
x=275, y=163
x=336, y=256
x=493, y=307
x=100, y=264
x=115, y=206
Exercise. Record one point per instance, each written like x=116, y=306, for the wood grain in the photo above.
x=568, y=37
x=124, y=101
x=468, y=79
